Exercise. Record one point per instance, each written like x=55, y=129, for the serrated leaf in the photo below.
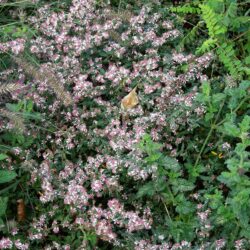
x=153, y=158
x=231, y=129
x=185, y=207
x=218, y=97
x=245, y=85
x=146, y=190
x=182, y=185
x=6, y=176
x=209, y=116
x=171, y=163
x=245, y=124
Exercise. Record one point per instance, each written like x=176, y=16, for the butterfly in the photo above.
x=130, y=101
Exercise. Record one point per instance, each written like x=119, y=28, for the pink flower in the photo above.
x=6, y=243
x=76, y=195
x=96, y=186
x=20, y=245
x=219, y=244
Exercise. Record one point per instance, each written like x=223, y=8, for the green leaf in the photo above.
x=245, y=124
x=245, y=85
x=231, y=129
x=206, y=89
x=240, y=149
x=245, y=232
x=13, y=107
x=29, y=106
x=209, y=116
x=218, y=97
x=228, y=178
x=153, y=157
x=3, y=205
x=92, y=238
x=160, y=185
x=215, y=200
x=171, y=163
x=1, y=223
x=194, y=172
x=146, y=190
x=6, y=176
x=3, y=156
x=185, y=207
x=182, y=185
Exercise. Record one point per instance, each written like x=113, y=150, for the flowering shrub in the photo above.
x=98, y=175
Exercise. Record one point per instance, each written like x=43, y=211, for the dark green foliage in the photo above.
x=6, y=176
x=171, y=190
x=229, y=122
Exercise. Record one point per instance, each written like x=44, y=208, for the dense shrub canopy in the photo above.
x=109, y=148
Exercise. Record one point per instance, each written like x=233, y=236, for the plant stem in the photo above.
x=4, y=146
x=17, y=3
x=166, y=208
x=235, y=110
x=213, y=126
x=8, y=24
x=204, y=145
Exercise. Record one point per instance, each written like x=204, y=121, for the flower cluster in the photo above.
x=15, y=46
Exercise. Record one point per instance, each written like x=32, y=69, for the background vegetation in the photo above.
x=182, y=177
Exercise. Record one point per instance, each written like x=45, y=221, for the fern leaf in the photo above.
x=212, y=20
x=207, y=45
x=185, y=9
x=227, y=56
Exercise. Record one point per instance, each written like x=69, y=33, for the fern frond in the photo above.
x=48, y=76
x=185, y=9
x=228, y=57
x=207, y=45
x=212, y=20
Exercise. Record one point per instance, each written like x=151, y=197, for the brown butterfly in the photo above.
x=130, y=100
